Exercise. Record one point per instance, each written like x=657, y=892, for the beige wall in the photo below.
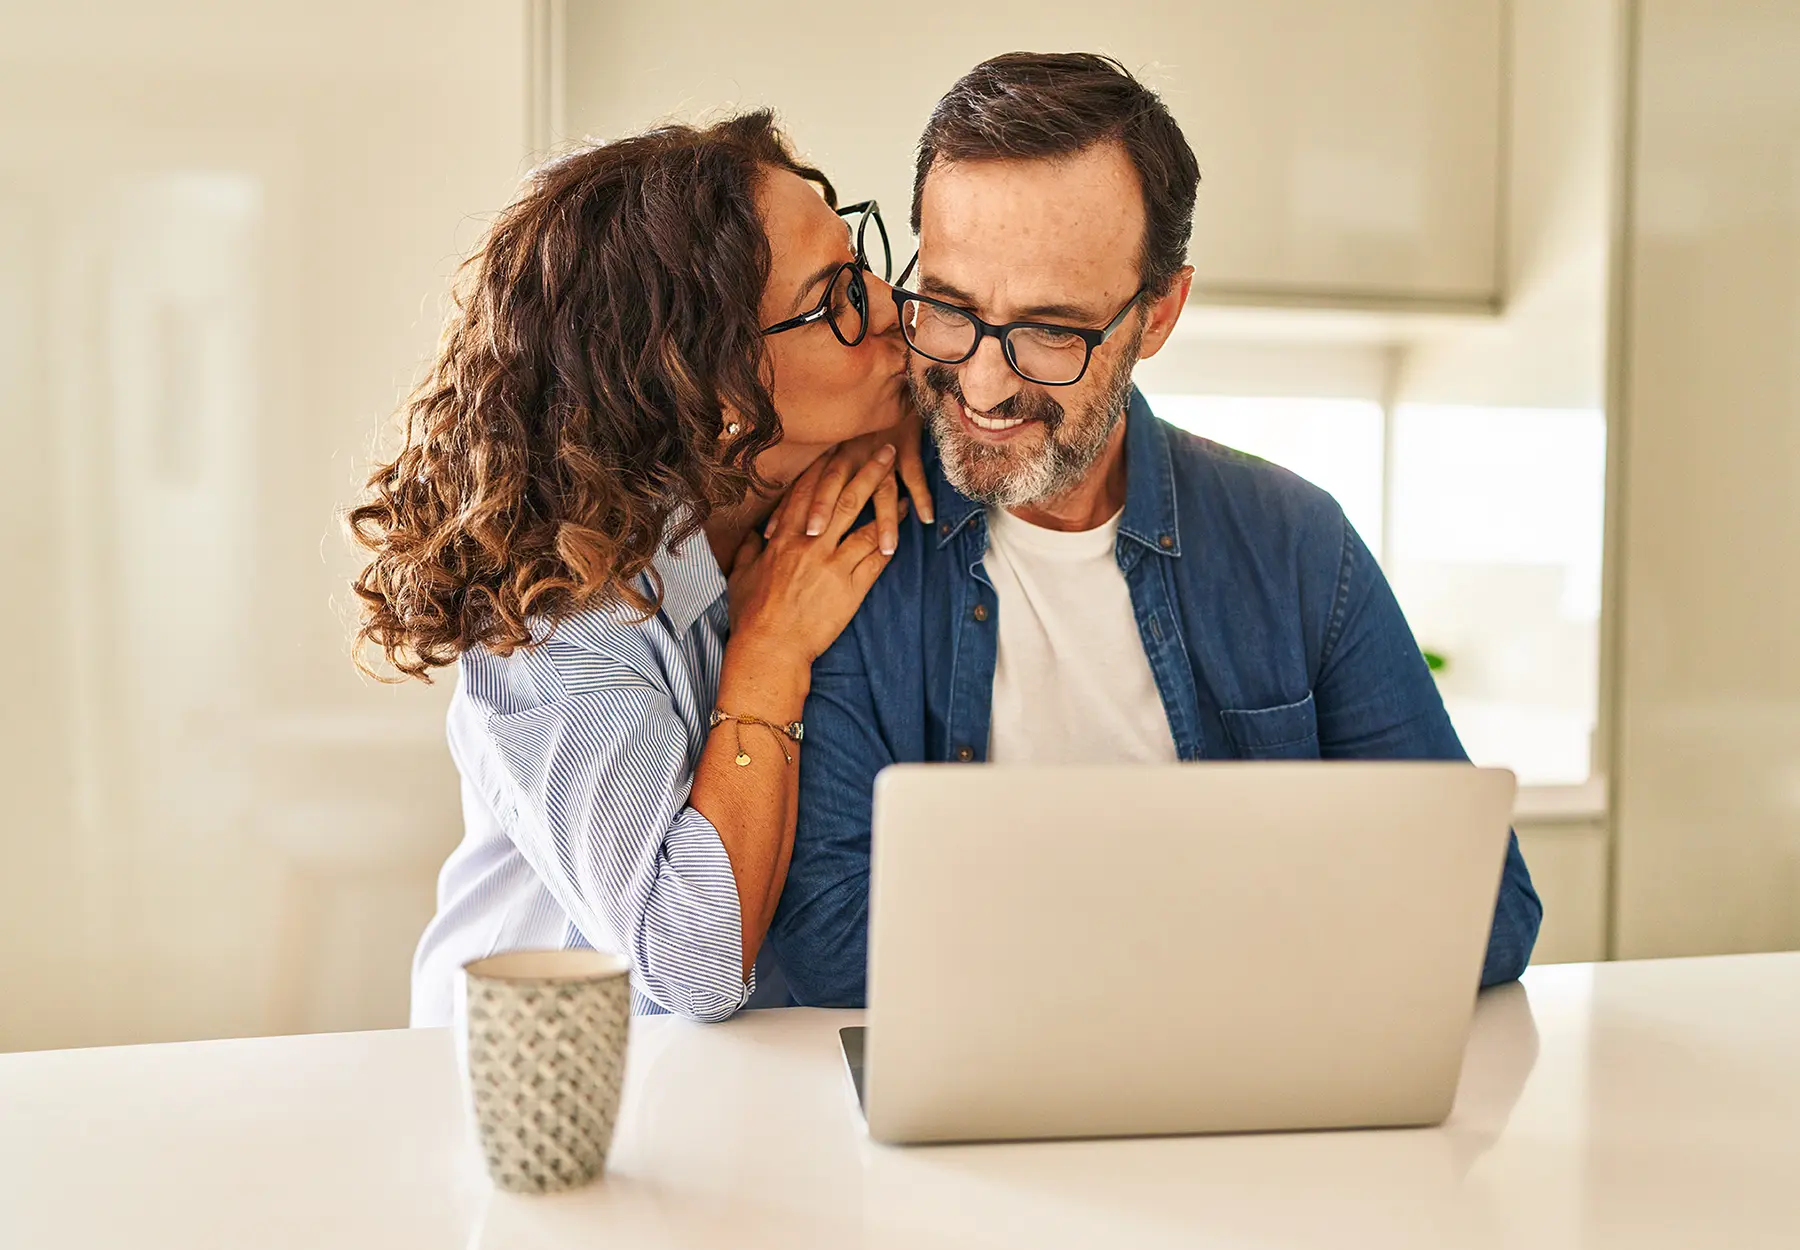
x=1707, y=804
x=224, y=235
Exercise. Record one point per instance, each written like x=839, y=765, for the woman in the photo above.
x=656, y=338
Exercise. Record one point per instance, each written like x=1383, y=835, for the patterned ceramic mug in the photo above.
x=546, y=1057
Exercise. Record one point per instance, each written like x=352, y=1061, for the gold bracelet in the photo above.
x=794, y=729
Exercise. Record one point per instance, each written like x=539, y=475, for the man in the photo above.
x=1097, y=586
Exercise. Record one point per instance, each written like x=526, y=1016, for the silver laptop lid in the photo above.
x=1123, y=949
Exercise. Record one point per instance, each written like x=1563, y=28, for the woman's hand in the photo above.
x=791, y=595
x=852, y=455
x=794, y=591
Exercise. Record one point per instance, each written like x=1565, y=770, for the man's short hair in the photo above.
x=1037, y=105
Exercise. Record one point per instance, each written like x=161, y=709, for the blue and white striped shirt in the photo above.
x=577, y=756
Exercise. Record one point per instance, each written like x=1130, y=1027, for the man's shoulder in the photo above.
x=1230, y=487
x=889, y=622
x=900, y=588
x=1200, y=462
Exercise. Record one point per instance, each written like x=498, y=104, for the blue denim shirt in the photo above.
x=1269, y=628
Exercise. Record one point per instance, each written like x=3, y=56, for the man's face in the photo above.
x=1056, y=241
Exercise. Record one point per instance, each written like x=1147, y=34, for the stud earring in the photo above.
x=732, y=429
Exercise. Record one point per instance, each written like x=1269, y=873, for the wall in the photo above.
x=1707, y=804
x=225, y=232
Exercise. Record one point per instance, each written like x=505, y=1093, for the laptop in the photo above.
x=1102, y=950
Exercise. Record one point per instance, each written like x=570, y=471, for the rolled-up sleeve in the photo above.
x=593, y=788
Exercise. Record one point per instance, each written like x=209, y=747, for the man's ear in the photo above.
x=1165, y=312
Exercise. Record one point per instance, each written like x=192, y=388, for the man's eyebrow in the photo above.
x=951, y=294
x=1058, y=312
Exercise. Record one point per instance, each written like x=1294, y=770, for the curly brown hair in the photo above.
x=571, y=422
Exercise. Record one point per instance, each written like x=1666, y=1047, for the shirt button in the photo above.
x=980, y=612
x=1165, y=542
x=965, y=754
x=944, y=530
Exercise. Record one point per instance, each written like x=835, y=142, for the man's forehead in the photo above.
x=1034, y=232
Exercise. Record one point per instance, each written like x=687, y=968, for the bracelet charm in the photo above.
x=795, y=730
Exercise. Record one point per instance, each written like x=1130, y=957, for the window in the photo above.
x=1497, y=518
x=1335, y=444
x=1488, y=522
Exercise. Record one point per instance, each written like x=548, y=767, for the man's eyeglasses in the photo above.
x=845, y=304
x=1050, y=355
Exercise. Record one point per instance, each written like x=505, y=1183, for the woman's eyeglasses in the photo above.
x=845, y=304
x=1049, y=355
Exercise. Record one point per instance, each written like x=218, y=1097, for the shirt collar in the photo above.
x=691, y=580
x=1149, y=517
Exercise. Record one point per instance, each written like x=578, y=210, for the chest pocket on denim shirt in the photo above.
x=1287, y=732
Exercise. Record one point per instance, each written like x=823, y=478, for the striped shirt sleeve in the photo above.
x=599, y=780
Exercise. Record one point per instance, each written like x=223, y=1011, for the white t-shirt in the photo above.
x=1071, y=682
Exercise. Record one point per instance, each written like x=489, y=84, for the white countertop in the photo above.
x=1644, y=1105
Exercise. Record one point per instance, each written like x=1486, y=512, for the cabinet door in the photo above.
x=1349, y=149
x=1707, y=736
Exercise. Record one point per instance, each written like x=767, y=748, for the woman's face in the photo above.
x=824, y=391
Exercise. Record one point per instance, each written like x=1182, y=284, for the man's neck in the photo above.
x=1091, y=502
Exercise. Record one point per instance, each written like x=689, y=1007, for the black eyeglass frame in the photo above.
x=1091, y=337
x=859, y=289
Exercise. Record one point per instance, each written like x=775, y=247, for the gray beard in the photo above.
x=1069, y=453
x=973, y=467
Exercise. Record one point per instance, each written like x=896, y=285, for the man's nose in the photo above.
x=987, y=380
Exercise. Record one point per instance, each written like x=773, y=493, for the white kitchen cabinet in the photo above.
x=1349, y=149
x=1567, y=859
x=1706, y=734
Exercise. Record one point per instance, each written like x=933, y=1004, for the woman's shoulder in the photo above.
x=613, y=644
x=601, y=647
